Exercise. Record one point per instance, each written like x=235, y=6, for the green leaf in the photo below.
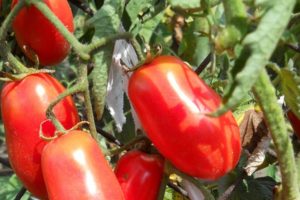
x=290, y=84
x=136, y=7
x=258, y=47
x=190, y=4
x=106, y=22
x=195, y=48
x=254, y=189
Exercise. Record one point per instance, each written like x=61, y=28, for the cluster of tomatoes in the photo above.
x=172, y=104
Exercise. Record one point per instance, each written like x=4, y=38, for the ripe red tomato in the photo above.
x=171, y=102
x=75, y=168
x=295, y=122
x=23, y=106
x=140, y=175
x=39, y=35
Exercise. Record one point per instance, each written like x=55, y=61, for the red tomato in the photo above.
x=140, y=175
x=171, y=102
x=75, y=168
x=295, y=122
x=39, y=35
x=23, y=106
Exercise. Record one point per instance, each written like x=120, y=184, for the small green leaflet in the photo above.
x=290, y=84
x=106, y=22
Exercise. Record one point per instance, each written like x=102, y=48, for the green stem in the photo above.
x=137, y=49
x=274, y=67
x=265, y=94
x=8, y=20
x=82, y=71
x=79, y=48
x=103, y=41
x=49, y=112
x=4, y=48
x=11, y=59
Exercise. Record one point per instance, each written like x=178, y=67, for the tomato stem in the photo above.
x=79, y=48
x=137, y=47
x=105, y=40
x=4, y=48
x=87, y=99
x=266, y=97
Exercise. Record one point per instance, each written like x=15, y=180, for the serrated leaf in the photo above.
x=106, y=22
x=290, y=84
x=190, y=4
x=254, y=189
x=257, y=49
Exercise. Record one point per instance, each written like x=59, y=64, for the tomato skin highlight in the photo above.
x=23, y=107
x=75, y=168
x=295, y=122
x=37, y=33
x=140, y=175
x=171, y=102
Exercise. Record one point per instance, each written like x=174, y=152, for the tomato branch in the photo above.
x=265, y=95
x=137, y=48
x=8, y=20
x=103, y=41
x=88, y=102
x=4, y=48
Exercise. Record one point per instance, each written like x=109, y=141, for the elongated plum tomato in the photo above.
x=23, y=107
x=36, y=34
x=171, y=102
x=75, y=168
x=295, y=122
x=140, y=175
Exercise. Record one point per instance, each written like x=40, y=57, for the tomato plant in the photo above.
x=295, y=122
x=37, y=35
x=140, y=175
x=74, y=168
x=23, y=107
x=171, y=102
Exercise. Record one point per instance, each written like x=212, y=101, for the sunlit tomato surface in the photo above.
x=140, y=175
x=23, y=106
x=75, y=168
x=295, y=122
x=35, y=33
x=171, y=102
